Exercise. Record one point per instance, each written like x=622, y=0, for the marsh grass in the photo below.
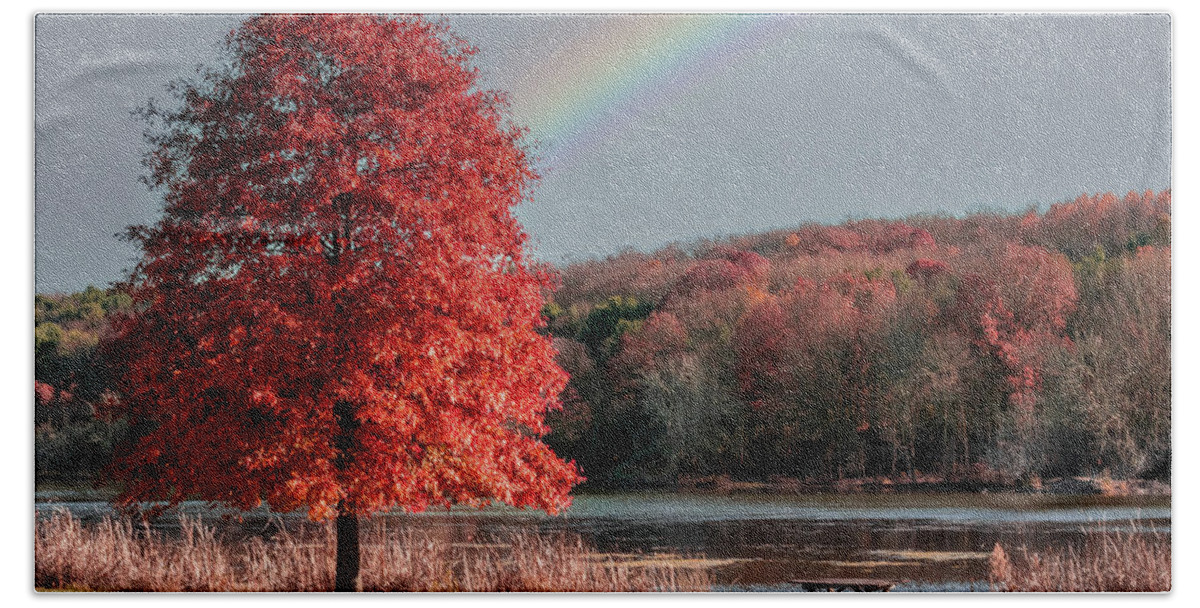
x=1136, y=560
x=119, y=555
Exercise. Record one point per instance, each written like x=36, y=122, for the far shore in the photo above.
x=1078, y=485
x=720, y=484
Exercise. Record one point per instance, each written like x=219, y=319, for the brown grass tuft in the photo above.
x=1109, y=561
x=116, y=555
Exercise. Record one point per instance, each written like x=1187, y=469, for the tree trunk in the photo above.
x=348, y=576
x=912, y=465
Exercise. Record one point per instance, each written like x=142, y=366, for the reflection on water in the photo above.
x=760, y=542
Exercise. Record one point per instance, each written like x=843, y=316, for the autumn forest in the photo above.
x=989, y=349
x=339, y=332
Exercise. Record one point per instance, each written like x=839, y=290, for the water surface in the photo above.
x=761, y=541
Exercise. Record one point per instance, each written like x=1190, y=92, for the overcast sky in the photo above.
x=653, y=129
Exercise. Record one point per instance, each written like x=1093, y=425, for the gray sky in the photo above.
x=653, y=129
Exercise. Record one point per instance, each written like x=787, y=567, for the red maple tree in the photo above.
x=336, y=311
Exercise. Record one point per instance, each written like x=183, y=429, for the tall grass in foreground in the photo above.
x=1108, y=561
x=116, y=555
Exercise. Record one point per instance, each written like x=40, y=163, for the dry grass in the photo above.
x=116, y=555
x=1109, y=561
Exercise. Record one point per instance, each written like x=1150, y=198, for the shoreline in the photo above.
x=722, y=485
x=1066, y=486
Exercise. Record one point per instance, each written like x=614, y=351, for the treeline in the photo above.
x=989, y=348
x=70, y=443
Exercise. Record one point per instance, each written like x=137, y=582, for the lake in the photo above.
x=925, y=542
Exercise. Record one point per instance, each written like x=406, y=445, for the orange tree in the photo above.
x=335, y=311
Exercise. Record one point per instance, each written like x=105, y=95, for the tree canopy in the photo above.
x=336, y=310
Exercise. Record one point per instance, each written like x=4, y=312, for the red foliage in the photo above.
x=810, y=335
x=873, y=236
x=43, y=393
x=661, y=338
x=884, y=237
x=763, y=342
x=1039, y=287
x=646, y=277
x=662, y=335
x=925, y=270
x=58, y=406
x=711, y=275
x=1015, y=311
x=820, y=239
x=336, y=309
x=1080, y=226
x=572, y=357
x=869, y=297
x=753, y=266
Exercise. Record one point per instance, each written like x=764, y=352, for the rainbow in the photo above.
x=632, y=63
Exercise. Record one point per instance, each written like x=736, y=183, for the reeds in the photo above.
x=1109, y=561
x=116, y=555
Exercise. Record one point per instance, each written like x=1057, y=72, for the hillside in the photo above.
x=992, y=348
